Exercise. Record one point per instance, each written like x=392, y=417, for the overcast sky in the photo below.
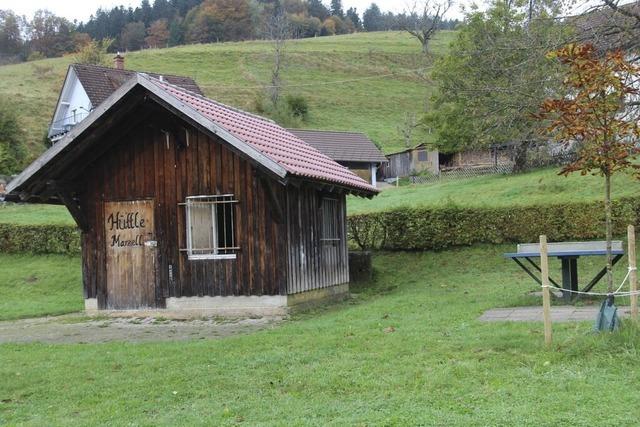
x=81, y=10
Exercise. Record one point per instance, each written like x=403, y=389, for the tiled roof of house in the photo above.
x=609, y=29
x=342, y=146
x=100, y=82
x=280, y=145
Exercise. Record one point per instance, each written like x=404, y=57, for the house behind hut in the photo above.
x=353, y=150
x=87, y=86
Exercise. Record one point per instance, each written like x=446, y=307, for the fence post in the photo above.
x=546, y=297
x=633, y=274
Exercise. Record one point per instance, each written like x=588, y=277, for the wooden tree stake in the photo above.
x=546, y=297
x=633, y=274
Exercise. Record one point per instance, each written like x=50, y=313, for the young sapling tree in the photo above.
x=598, y=112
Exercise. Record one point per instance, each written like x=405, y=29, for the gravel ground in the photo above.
x=77, y=328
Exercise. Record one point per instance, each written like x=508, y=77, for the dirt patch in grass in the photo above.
x=76, y=328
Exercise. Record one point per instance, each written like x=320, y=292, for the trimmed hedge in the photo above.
x=404, y=229
x=443, y=227
x=39, y=239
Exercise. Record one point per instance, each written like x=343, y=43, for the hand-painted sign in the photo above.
x=127, y=224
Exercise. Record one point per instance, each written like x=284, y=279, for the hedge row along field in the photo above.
x=39, y=239
x=404, y=229
x=444, y=227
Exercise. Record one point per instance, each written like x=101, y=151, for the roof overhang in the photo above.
x=33, y=179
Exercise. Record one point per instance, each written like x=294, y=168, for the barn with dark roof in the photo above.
x=353, y=150
x=191, y=206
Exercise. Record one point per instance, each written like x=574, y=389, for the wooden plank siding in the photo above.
x=143, y=164
x=167, y=161
x=314, y=263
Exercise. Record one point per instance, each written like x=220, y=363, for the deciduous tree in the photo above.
x=132, y=36
x=278, y=31
x=595, y=114
x=11, y=41
x=494, y=77
x=50, y=35
x=219, y=20
x=157, y=34
x=94, y=52
x=424, y=20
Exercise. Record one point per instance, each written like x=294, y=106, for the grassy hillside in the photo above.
x=408, y=350
x=234, y=73
x=538, y=187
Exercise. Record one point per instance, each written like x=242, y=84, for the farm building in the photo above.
x=353, y=150
x=422, y=159
x=413, y=160
x=475, y=158
x=189, y=205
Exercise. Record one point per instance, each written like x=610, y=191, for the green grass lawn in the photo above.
x=235, y=73
x=37, y=286
x=407, y=350
x=34, y=214
x=537, y=187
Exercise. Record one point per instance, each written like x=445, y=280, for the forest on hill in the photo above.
x=166, y=23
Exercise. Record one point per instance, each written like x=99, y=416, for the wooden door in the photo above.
x=131, y=254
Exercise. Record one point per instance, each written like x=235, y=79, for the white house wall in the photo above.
x=74, y=105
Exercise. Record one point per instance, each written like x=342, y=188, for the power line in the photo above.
x=326, y=83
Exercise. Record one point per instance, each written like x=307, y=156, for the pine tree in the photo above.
x=336, y=8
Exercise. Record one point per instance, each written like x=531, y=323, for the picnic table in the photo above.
x=568, y=254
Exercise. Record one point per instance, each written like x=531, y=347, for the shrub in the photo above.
x=35, y=56
x=39, y=239
x=94, y=52
x=42, y=71
x=298, y=105
x=282, y=113
x=12, y=150
x=444, y=227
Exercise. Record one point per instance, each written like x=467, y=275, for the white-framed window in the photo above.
x=211, y=227
x=330, y=221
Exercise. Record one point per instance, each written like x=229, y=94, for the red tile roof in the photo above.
x=289, y=151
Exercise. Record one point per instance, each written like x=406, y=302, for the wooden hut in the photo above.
x=413, y=160
x=191, y=206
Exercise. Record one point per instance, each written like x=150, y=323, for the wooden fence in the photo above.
x=463, y=173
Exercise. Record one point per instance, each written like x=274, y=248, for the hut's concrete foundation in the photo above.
x=230, y=306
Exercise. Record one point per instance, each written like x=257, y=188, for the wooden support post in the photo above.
x=65, y=196
x=546, y=297
x=633, y=274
